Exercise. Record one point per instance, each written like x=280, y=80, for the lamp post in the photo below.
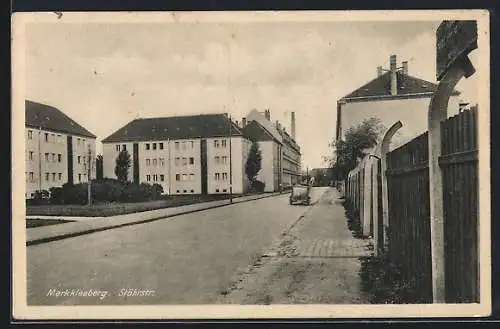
x=230, y=161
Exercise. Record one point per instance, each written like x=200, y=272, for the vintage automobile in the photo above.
x=300, y=194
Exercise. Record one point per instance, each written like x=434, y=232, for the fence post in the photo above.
x=367, y=198
x=438, y=112
x=382, y=154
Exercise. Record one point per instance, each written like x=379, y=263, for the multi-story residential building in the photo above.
x=57, y=149
x=391, y=96
x=281, y=155
x=185, y=154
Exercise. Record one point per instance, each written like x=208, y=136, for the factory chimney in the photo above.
x=293, y=125
x=394, y=80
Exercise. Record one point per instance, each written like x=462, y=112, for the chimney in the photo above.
x=394, y=80
x=293, y=125
x=278, y=126
x=405, y=68
x=237, y=123
x=267, y=113
x=244, y=122
x=379, y=71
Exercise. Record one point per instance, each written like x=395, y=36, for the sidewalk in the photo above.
x=316, y=262
x=85, y=225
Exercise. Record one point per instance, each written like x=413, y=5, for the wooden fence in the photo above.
x=408, y=200
x=460, y=178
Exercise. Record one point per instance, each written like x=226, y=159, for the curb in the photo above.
x=100, y=229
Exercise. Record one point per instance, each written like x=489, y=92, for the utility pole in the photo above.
x=230, y=161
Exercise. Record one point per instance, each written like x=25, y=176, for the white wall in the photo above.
x=56, y=148
x=411, y=112
x=266, y=173
x=190, y=175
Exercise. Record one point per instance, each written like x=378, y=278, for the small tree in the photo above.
x=122, y=166
x=350, y=150
x=99, y=168
x=254, y=162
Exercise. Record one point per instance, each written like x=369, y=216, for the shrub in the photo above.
x=39, y=198
x=257, y=186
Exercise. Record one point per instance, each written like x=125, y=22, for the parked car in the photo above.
x=300, y=194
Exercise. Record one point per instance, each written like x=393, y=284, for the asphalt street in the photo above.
x=187, y=259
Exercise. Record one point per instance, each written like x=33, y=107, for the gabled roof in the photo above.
x=255, y=131
x=255, y=115
x=380, y=87
x=50, y=118
x=178, y=127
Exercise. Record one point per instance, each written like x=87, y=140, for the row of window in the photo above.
x=184, y=177
x=155, y=178
x=220, y=143
x=220, y=176
x=48, y=157
x=55, y=176
x=221, y=159
x=185, y=161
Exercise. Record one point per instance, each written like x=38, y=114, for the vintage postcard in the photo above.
x=235, y=165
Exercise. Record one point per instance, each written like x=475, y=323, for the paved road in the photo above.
x=189, y=259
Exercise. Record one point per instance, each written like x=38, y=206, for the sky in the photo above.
x=105, y=75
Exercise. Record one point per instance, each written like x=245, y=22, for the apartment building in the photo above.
x=391, y=96
x=281, y=155
x=198, y=154
x=57, y=149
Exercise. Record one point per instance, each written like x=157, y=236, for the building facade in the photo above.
x=281, y=157
x=391, y=96
x=58, y=150
x=185, y=155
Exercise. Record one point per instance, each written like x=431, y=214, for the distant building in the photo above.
x=391, y=96
x=184, y=154
x=280, y=152
x=57, y=149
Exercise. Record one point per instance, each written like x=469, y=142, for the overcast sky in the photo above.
x=104, y=75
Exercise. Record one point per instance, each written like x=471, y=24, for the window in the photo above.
x=30, y=134
x=78, y=141
x=217, y=190
x=160, y=145
x=185, y=191
x=148, y=162
x=47, y=176
x=177, y=161
x=46, y=137
x=155, y=177
x=177, y=145
x=46, y=157
x=155, y=162
x=192, y=191
x=147, y=146
x=217, y=159
x=178, y=191
x=53, y=176
x=191, y=177
x=117, y=148
x=223, y=143
x=59, y=158
x=224, y=190
x=184, y=161
x=124, y=147
x=59, y=139
x=177, y=178
x=216, y=143
x=52, y=138
x=184, y=145
x=191, y=161
x=224, y=159
x=79, y=159
x=224, y=176
x=184, y=177
x=31, y=176
x=53, y=157
x=31, y=155
x=79, y=177
x=148, y=178
x=162, y=162
x=217, y=176
x=162, y=178
x=60, y=176
x=192, y=144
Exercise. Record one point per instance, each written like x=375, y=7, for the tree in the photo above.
x=350, y=150
x=254, y=162
x=99, y=168
x=122, y=166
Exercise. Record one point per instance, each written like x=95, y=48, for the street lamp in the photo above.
x=230, y=161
